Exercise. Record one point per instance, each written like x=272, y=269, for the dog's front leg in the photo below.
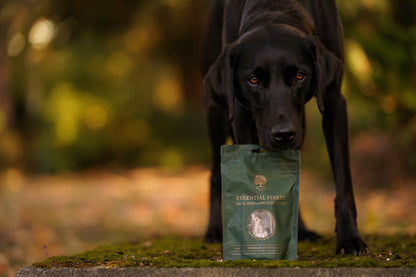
x=218, y=131
x=335, y=125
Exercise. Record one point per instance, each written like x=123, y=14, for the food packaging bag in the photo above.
x=260, y=202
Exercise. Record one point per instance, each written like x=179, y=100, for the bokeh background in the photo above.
x=102, y=129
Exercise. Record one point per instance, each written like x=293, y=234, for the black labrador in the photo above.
x=264, y=60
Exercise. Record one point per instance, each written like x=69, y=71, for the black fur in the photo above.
x=264, y=60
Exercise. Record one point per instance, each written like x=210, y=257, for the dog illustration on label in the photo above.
x=261, y=224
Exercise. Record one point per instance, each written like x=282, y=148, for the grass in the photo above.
x=385, y=251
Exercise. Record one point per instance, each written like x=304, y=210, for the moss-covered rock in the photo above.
x=385, y=251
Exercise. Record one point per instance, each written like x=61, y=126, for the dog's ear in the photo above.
x=328, y=72
x=219, y=81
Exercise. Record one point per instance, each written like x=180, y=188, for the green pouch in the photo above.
x=260, y=202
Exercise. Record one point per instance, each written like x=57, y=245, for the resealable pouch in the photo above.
x=260, y=202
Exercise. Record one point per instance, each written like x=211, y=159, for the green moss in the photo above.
x=385, y=251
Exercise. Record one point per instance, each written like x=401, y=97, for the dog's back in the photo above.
x=319, y=17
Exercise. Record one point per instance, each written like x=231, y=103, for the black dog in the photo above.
x=264, y=60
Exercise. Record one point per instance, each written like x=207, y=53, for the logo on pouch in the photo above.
x=260, y=182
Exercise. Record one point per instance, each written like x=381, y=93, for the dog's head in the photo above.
x=273, y=71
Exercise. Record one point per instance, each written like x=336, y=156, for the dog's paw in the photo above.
x=212, y=239
x=354, y=246
x=307, y=235
x=213, y=236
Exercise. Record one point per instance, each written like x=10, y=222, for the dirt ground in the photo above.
x=42, y=216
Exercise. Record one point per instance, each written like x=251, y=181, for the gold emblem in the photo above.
x=260, y=182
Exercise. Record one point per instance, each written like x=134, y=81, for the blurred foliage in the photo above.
x=100, y=83
x=380, y=59
x=380, y=78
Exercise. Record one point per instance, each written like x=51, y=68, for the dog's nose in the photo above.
x=284, y=136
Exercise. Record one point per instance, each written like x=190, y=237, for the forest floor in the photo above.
x=45, y=216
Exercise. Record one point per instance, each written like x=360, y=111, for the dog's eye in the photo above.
x=299, y=76
x=253, y=80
